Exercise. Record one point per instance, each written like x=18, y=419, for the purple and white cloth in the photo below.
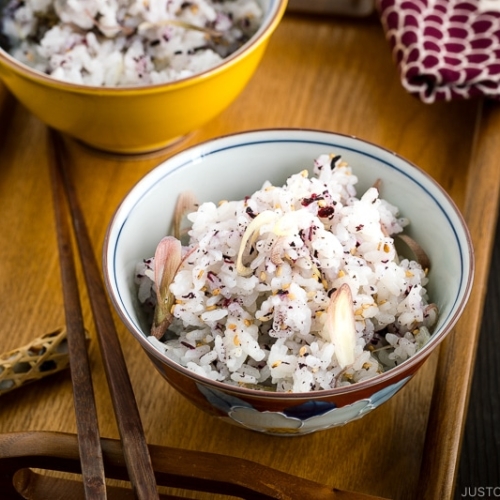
x=445, y=49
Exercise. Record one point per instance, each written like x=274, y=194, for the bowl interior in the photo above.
x=235, y=166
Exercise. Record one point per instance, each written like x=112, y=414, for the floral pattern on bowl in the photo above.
x=296, y=420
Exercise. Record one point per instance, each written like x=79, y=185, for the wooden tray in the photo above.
x=318, y=72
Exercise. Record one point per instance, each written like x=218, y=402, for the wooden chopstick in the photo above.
x=93, y=475
x=135, y=448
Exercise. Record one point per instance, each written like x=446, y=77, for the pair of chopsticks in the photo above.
x=135, y=448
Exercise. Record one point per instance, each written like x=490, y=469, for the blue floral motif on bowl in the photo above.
x=296, y=420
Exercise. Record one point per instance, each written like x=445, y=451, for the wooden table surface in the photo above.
x=326, y=73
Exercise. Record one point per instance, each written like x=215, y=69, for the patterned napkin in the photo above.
x=445, y=49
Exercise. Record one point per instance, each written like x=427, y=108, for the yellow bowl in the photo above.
x=145, y=118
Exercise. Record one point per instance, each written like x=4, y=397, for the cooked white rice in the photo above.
x=126, y=42
x=263, y=330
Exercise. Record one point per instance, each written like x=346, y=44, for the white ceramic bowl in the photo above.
x=234, y=166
